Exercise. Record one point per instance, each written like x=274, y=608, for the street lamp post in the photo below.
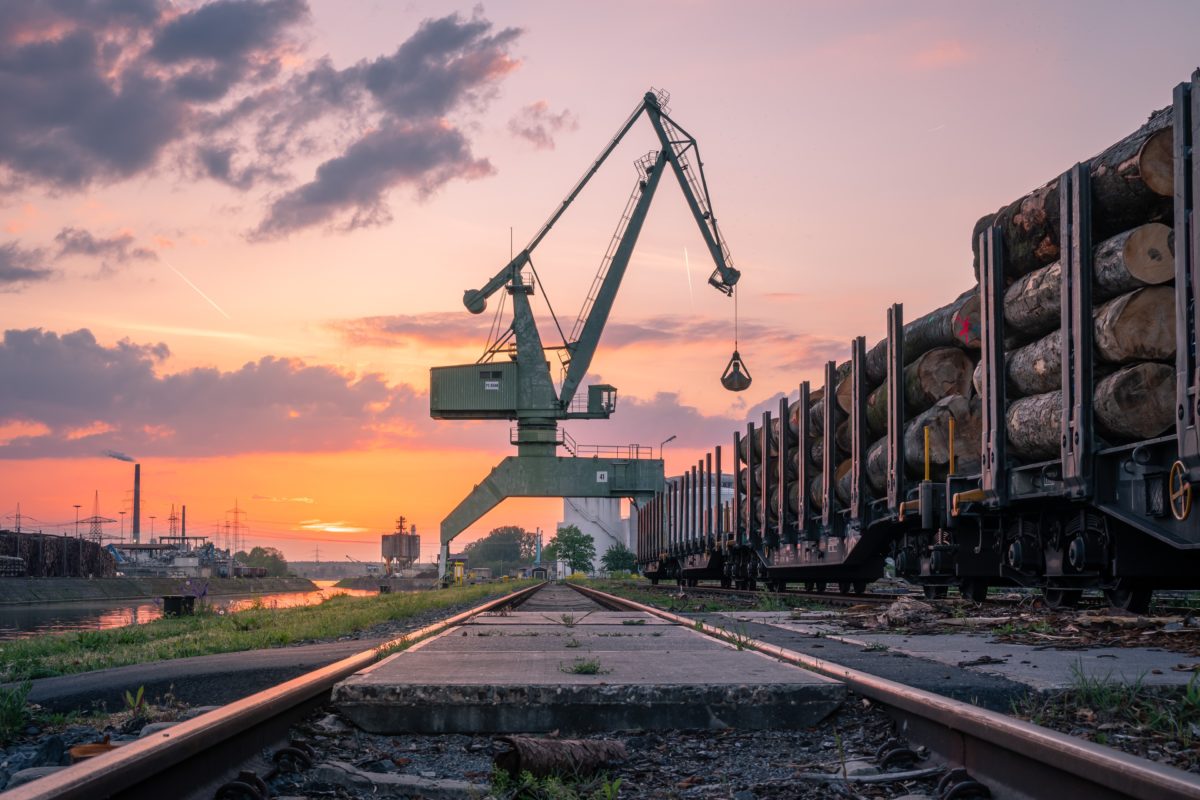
x=663, y=444
x=122, y=513
x=77, y=507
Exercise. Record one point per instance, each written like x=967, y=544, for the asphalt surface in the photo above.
x=986, y=691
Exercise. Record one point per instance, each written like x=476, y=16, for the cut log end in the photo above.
x=1149, y=253
x=1156, y=162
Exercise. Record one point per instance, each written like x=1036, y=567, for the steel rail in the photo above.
x=832, y=598
x=177, y=761
x=1025, y=760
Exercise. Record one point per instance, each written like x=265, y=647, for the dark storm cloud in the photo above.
x=447, y=61
x=20, y=267
x=536, y=124
x=227, y=30
x=96, y=92
x=119, y=249
x=424, y=156
x=72, y=383
x=446, y=64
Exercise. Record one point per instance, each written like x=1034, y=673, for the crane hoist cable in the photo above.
x=736, y=377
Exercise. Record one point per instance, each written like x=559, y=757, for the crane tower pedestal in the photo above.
x=552, y=476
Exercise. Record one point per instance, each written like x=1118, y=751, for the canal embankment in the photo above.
x=24, y=591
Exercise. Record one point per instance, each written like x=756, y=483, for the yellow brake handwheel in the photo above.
x=1180, y=489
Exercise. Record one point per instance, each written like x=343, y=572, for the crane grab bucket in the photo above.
x=736, y=377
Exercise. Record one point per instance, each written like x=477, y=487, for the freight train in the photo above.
x=1065, y=462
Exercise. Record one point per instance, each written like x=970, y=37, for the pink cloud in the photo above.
x=946, y=53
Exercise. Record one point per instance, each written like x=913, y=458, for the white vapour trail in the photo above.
x=195, y=288
x=687, y=266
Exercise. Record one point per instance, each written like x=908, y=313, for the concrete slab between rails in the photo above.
x=1038, y=667
x=498, y=676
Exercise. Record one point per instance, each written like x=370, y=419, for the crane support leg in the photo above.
x=552, y=476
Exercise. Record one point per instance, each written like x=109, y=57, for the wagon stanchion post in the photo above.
x=718, y=526
x=858, y=429
x=1187, y=281
x=750, y=533
x=829, y=517
x=995, y=429
x=735, y=510
x=784, y=533
x=803, y=473
x=895, y=409
x=766, y=534
x=1077, y=332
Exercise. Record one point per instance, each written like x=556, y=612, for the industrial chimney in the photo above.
x=137, y=503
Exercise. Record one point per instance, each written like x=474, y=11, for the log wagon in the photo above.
x=1041, y=430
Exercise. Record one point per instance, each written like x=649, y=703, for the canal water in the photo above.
x=22, y=621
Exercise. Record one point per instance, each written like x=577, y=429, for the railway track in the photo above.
x=829, y=598
x=214, y=749
x=1012, y=758
x=223, y=754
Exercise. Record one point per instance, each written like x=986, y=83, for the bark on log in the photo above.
x=1139, y=326
x=936, y=373
x=877, y=466
x=1136, y=403
x=1037, y=368
x=1132, y=183
x=843, y=438
x=967, y=435
x=956, y=324
x=793, y=489
x=815, y=454
x=1133, y=404
x=841, y=483
x=542, y=757
x=1143, y=256
x=755, y=442
x=816, y=492
x=816, y=415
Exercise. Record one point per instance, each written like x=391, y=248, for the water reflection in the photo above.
x=20, y=622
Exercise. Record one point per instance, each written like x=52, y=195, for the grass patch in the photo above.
x=633, y=622
x=210, y=632
x=14, y=710
x=585, y=666
x=1162, y=716
x=639, y=591
x=527, y=787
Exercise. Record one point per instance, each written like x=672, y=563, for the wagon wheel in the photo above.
x=1129, y=596
x=1180, y=489
x=1061, y=598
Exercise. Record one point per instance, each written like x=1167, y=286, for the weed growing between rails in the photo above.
x=207, y=633
x=1157, y=722
x=683, y=602
x=600, y=787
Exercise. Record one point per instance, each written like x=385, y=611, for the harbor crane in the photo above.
x=512, y=379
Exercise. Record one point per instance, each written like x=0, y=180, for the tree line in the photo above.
x=510, y=547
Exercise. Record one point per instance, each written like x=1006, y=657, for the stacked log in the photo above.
x=1135, y=403
x=1141, y=256
x=1134, y=339
x=1132, y=184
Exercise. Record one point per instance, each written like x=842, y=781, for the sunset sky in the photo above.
x=234, y=236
